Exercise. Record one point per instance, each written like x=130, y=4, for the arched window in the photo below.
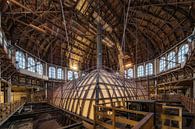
x=140, y=71
x=39, y=68
x=76, y=75
x=70, y=75
x=20, y=59
x=162, y=64
x=171, y=60
x=183, y=50
x=149, y=69
x=52, y=72
x=60, y=73
x=31, y=64
x=130, y=73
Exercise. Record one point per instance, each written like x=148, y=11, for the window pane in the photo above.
x=162, y=64
x=183, y=50
x=70, y=75
x=60, y=73
x=140, y=71
x=149, y=69
x=31, y=64
x=171, y=60
x=130, y=73
x=39, y=68
x=20, y=59
x=76, y=75
x=52, y=72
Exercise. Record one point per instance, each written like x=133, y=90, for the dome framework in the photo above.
x=79, y=95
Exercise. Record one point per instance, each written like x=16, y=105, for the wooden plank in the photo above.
x=168, y=127
x=126, y=121
x=144, y=121
x=171, y=117
x=123, y=110
x=87, y=125
x=105, y=125
x=104, y=115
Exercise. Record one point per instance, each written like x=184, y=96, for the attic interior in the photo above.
x=97, y=64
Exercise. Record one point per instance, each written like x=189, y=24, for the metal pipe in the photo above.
x=99, y=47
x=99, y=61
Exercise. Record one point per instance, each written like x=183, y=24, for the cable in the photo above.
x=64, y=22
x=125, y=24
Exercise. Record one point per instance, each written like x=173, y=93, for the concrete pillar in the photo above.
x=7, y=94
x=156, y=87
x=32, y=95
x=66, y=73
x=46, y=69
x=155, y=67
x=46, y=95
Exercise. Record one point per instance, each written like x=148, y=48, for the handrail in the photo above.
x=119, y=109
x=8, y=109
x=102, y=113
x=188, y=102
x=146, y=122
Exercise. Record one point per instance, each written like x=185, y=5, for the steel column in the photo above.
x=99, y=47
x=99, y=60
x=46, y=90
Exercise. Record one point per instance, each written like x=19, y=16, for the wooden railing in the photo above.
x=117, y=104
x=7, y=109
x=187, y=102
x=109, y=117
x=171, y=118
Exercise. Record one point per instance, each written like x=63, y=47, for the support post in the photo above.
x=99, y=61
x=46, y=91
x=9, y=93
x=155, y=87
x=0, y=83
x=193, y=93
x=99, y=47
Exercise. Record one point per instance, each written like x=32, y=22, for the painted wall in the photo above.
x=15, y=96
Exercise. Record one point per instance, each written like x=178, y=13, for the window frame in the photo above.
x=140, y=71
x=39, y=68
x=149, y=70
x=70, y=77
x=162, y=64
x=183, y=50
x=60, y=73
x=130, y=73
x=30, y=64
x=52, y=72
x=171, y=58
x=20, y=59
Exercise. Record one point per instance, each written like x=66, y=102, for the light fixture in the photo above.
x=128, y=65
x=74, y=67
